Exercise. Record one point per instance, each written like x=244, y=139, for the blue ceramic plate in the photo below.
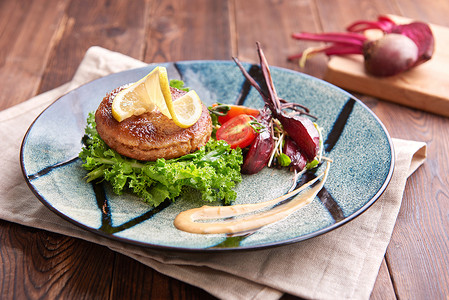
x=353, y=137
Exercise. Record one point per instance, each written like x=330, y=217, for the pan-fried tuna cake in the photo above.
x=151, y=135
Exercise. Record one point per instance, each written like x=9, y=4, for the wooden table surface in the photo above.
x=42, y=44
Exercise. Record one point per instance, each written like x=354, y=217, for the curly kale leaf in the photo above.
x=213, y=170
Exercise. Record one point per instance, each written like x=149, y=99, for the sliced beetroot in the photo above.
x=418, y=32
x=260, y=150
x=259, y=153
x=401, y=48
x=300, y=129
x=304, y=133
x=298, y=161
x=421, y=34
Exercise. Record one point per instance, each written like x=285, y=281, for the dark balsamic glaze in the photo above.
x=48, y=169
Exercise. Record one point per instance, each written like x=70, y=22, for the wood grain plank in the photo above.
x=418, y=254
x=188, y=30
x=419, y=247
x=337, y=15
x=24, y=52
x=434, y=11
x=37, y=264
x=133, y=280
x=272, y=23
x=118, y=26
x=383, y=288
x=115, y=25
x=418, y=251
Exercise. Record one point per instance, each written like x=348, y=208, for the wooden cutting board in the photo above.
x=425, y=87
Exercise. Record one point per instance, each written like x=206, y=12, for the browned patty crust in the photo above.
x=150, y=135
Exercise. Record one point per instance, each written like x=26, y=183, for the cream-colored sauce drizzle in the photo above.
x=186, y=220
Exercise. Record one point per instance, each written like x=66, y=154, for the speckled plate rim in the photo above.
x=305, y=237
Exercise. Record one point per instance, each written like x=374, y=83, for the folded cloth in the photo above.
x=343, y=263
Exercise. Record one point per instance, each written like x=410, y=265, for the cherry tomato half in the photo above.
x=236, y=110
x=237, y=132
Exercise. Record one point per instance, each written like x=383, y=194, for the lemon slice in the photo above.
x=150, y=92
x=153, y=92
x=186, y=110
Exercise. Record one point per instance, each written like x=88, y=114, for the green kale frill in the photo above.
x=213, y=170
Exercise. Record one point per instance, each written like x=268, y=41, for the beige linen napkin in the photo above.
x=341, y=264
